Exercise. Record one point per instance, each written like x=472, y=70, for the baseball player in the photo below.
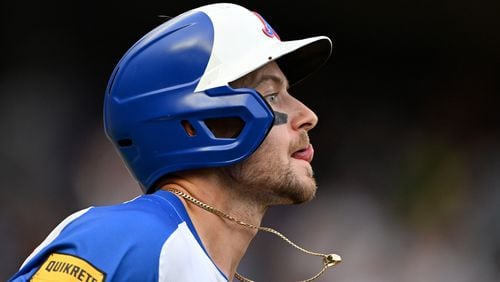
x=200, y=112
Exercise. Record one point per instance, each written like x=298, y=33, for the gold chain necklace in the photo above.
x=328, y=259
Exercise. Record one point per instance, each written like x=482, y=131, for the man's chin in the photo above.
x=309, y=195
x=302, y=193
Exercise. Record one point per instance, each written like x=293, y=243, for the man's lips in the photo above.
x=305, y=154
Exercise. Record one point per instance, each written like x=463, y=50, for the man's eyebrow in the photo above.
x=265, y=77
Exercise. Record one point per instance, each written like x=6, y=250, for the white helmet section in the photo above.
x=243, y=42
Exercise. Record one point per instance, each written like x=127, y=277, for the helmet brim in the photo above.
x=304, y=58
x=296, y=58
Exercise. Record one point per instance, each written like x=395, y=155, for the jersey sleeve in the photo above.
x=116, y=243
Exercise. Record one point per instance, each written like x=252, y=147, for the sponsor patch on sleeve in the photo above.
x=63, y=267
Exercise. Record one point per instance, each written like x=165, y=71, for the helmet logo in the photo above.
x=267, y=29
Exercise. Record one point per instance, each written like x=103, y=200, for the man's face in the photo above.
x=279, y=171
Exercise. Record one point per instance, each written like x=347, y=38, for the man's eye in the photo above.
x=272, y=98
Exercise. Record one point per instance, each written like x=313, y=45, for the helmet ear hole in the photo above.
x=228, y=127
x=125, y=142
x=189, y=128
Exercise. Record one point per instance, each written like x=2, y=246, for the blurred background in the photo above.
x=407, y=148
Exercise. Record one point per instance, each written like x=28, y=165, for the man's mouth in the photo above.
x=305, y=154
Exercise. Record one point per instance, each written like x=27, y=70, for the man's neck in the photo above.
x=225, y=241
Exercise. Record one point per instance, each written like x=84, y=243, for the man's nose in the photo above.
x=303, y=117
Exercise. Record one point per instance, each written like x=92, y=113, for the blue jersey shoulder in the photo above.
x=122, y=241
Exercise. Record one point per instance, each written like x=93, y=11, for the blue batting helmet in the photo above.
x=179, y=74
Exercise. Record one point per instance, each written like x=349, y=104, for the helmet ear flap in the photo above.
x=212, y=128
